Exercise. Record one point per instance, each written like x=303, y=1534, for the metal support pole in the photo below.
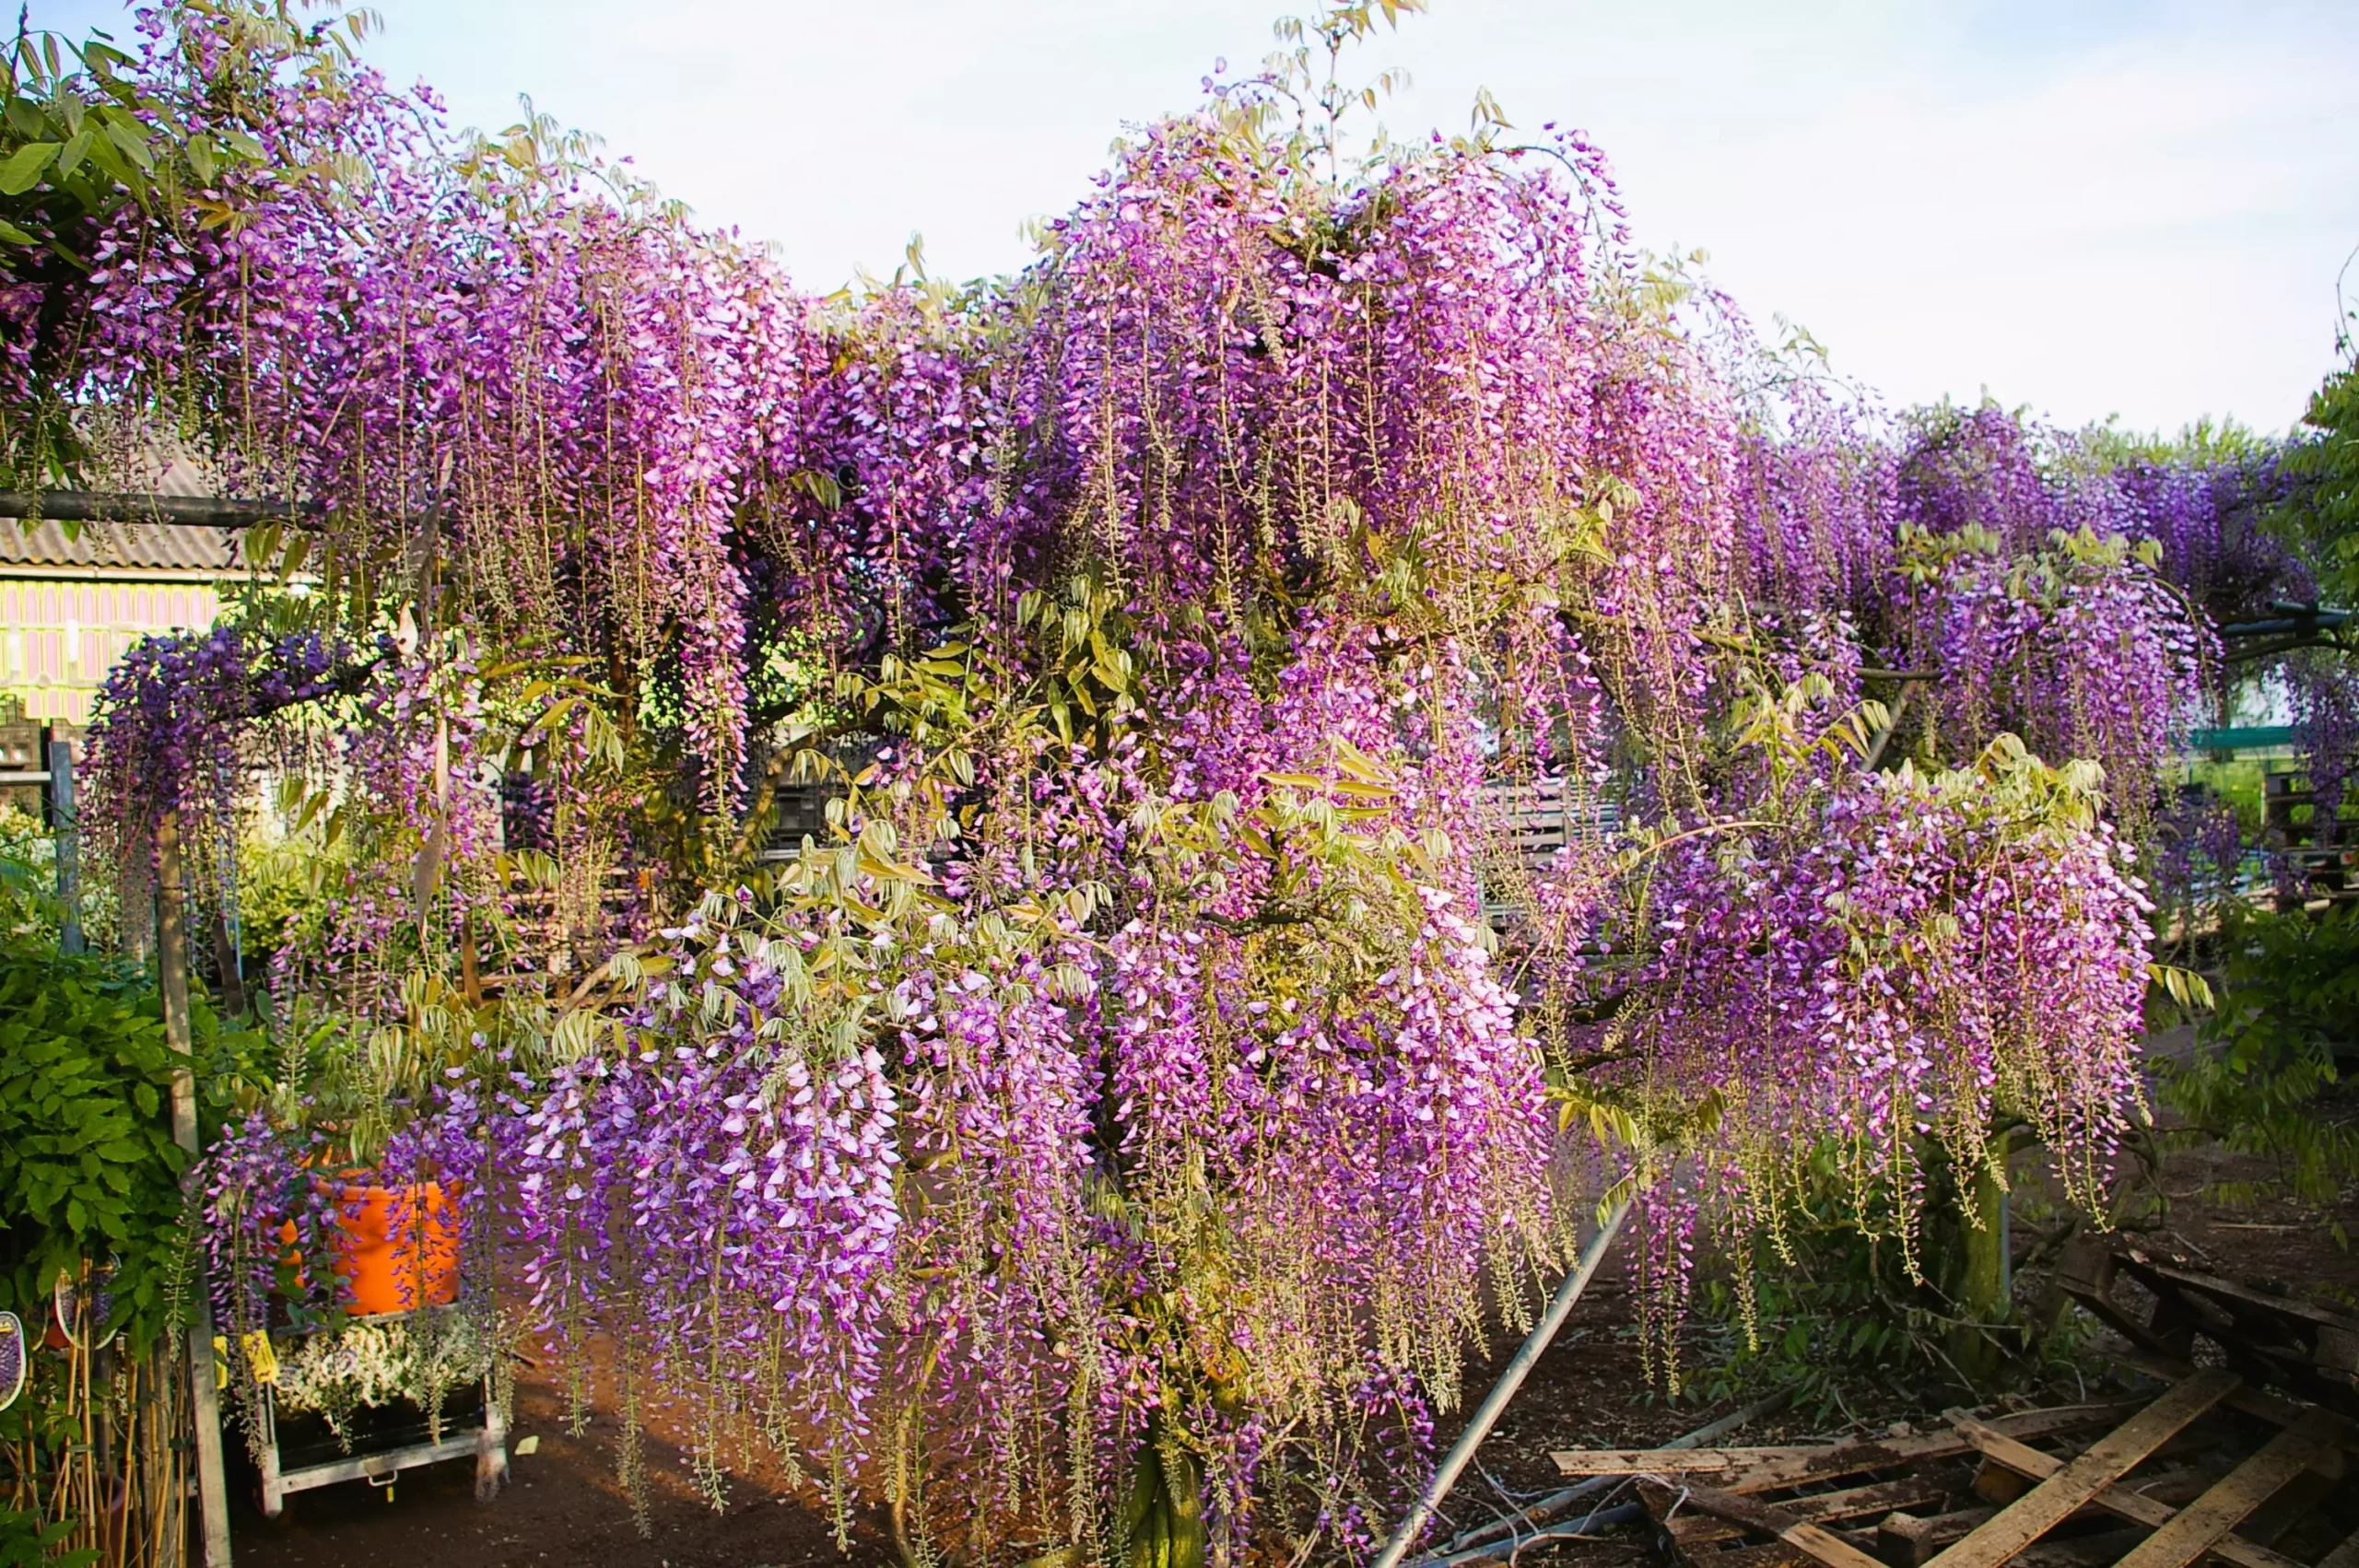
x=204, y=1384
x=1462, y=1453
x=57, y=808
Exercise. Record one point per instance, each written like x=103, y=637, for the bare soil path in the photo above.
x=565, y=1505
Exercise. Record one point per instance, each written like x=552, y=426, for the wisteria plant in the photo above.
x=1110, y=1124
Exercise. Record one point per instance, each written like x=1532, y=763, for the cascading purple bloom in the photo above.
x=1127, y=1093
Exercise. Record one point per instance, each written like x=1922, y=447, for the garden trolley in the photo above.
x=300, y=1453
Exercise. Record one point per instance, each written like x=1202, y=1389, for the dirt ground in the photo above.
x=564, y=1504
x=1590, y=1391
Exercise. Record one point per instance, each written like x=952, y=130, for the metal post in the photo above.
x=205, y=1396
x=57, y=810
x=1478, y=1427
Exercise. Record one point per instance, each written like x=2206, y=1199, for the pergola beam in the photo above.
x=192, y=511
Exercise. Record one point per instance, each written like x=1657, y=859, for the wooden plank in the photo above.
x=1934, y=1487
x=2056, y=1499
x=171, y=969
x=1769, y=1520
x=1914, y=1540
x=2120, y=1501
x=2230, y=1296
x=1858, y=1501
x=2193, y=1528
x=2270, y=1408
x=1691, y=1461
x=2310, y=1383
x=2344, y=1556
x=2265, y=1524
x=1995, y=1483
x=1762, y=1469
x=2269, y=1339
x=2171, y=1327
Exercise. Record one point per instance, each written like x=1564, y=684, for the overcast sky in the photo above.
x=2096, y=207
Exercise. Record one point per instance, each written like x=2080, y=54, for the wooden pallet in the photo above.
x=2265, y=1339
x=2210, y=1469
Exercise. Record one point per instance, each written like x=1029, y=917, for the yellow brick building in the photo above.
x=70, y=607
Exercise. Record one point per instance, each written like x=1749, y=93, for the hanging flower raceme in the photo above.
x=2209, y=520
x=2326, y=727
x=1945, y=952
x=178, y=726
x=718, y=1194
x=1125, y=1099
x=2080, y=649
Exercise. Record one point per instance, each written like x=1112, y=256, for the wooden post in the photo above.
x=57, y=807
x=204, y=1395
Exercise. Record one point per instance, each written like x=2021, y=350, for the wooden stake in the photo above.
x=57, y=807
x=204, y=1403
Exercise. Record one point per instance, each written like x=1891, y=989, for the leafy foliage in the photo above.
x=420, y=1359
x=2323, y=510
x=87, y=1158
x=2266, y=1078
x=89, y=1170
x=94, y=140
x=28, y=905
x=27, y=1542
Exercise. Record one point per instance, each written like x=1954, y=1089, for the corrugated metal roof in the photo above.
x=143, y=461
x=181, y=475
x=136, y=546
x=124, y=467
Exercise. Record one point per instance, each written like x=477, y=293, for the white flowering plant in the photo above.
x=420, y=1357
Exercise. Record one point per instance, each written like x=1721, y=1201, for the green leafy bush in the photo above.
x=29, y=907
x=26, y=1543
x=2322, y=514
x=2263, y=1080
x=89, y=1170
x=87, y=1167
x=1841, y=1319
x=1830, y=1328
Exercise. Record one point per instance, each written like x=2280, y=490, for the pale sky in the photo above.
x=2094, y=208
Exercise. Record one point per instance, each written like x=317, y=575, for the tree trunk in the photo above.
x=1164, y=1518
x=1984, y=1291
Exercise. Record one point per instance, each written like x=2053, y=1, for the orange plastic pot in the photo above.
x=395, y=1248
